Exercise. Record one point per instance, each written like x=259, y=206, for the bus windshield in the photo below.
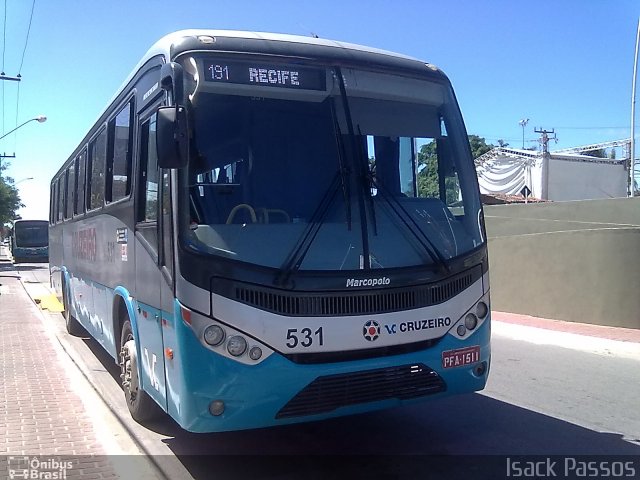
x=31, y=234
x=300, y=167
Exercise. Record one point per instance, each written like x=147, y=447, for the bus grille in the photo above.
x=328, y=393
x=355, y=303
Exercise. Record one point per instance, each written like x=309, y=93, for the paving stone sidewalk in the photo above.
x=44, y=423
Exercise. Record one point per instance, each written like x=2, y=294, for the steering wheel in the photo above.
x=240, y=206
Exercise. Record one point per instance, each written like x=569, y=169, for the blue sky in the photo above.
x=564, y=64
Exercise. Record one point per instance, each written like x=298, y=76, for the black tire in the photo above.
x=141, y=406
x=74, y=327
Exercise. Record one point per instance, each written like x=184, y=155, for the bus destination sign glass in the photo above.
x=265, y=75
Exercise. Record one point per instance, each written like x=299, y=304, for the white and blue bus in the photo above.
x=30, y=241
x=264, y=229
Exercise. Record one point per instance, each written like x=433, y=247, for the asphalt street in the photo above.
x=549, y=393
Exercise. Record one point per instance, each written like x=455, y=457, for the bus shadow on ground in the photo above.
x=7, y=266
x=445, y=438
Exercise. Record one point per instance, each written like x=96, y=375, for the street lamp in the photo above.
x=39, y=119
x=22, y=180
x=523, y=123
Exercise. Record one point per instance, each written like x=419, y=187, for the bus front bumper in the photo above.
x=259, y=395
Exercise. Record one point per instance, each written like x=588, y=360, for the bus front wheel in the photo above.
x=141, y=406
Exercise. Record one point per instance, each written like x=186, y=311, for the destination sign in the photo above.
x=265, y=75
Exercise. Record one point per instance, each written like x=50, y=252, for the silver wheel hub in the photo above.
x=129, y=369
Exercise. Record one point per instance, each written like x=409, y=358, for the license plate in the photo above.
x=461, y=357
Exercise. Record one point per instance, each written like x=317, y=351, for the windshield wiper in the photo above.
x=363, y=173
x=341, y=156
x=413, y=227
x=367, y=183
x=297, y=255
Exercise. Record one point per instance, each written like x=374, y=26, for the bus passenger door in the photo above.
x=151, y=283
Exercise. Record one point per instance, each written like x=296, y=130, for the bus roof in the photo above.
x=165, y=43
x=171, y=44
x=172, y=41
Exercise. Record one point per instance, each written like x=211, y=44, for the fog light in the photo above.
x=470, y=321
x=237, y=345
x=216, y=408
x=482, y=310
x=255, y=353
x=214, y=335
x=480, y=369
x=461, y=330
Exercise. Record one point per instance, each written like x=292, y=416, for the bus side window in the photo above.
x=119, y=165
x=97, y=158
x=53, y=202
x=60, y=207
x=165, y=192
x=147, y=215
x=80, y=186
x=71, y=190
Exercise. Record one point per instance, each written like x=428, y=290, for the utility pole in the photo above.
x=13, y=79
x=4, y=77
x=546, y=156
x=632, y=148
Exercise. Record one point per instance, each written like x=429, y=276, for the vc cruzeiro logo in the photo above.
x=371, y=330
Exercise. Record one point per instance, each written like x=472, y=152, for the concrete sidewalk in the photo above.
x=51, y=420
x=619, y=334
x=596, y=339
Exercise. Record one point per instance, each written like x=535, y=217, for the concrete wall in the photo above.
x=577, y=180
x=576, y=261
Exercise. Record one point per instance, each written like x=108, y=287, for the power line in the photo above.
x=4, y=35
x=4, y=48
x=33, y=5
x=24, y=51
x=15, y=137
x=593, y=128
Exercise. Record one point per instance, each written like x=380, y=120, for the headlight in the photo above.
x=236, y=345
x=470, y=321
x=482, y=310
x=214, y=335
x=255, y=353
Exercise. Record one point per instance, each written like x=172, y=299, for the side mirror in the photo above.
x=172, y=137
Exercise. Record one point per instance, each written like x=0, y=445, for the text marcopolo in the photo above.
x=367, y=282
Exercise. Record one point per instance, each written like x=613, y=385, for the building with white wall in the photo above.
x=569, y=176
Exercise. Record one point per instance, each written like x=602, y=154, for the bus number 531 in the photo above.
x=305, y=337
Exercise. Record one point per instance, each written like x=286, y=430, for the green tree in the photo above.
x=428, y=185
x=428, y=171
x=428, y=175
x=479, y=146
x=9, y=198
